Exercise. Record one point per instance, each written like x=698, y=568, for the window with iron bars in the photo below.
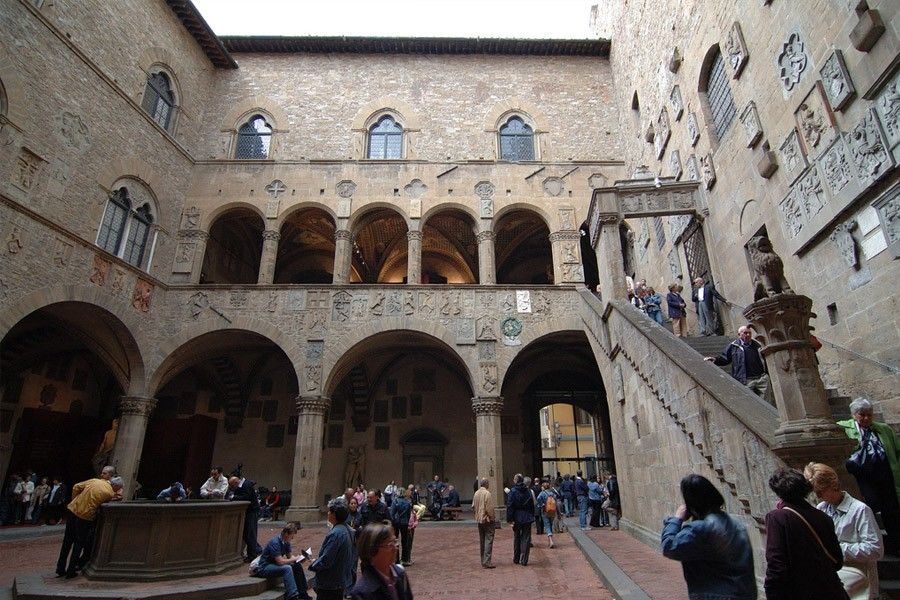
x=159, y=99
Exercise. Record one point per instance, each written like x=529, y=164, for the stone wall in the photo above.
x=660, y=47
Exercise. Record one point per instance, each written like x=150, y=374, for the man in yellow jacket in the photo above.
x=87, y=497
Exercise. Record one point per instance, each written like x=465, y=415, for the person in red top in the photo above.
x=270, y=506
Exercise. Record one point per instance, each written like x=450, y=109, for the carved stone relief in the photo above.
x=842, y=237
x=184, y=257
x=73, y=131
x=662, y=132
x=314, y=351
x=553, y=186
x=197, y=303
x=318, y=299
x=485, y=192
x=837, y=171
x=99, y=270
x=140, y=298
x=239, y=298
x=118, y=282
x=523, y=301
x=597, y=180
x=836, y=81
x=511, y=328
x=275, y=189
x=296, y=301
x=791, y=62
x=693, y=129
x=693, y=169
x=313, y=374
x=677, y=102
x=62, y=253
x=465, y=332
x=487, y=350
x=190, y=218
x=868, y=149
x=888, y=209
x=675, y=164
x=708, y=171
x=489, y=377
x=736, y=50
x=675, y=263
x=506, y=302
x=28, y=165
x=340, y=306
x=887, y=104
x=272, y=302
x=810, y=193
x=792, y=157
x=572, y=273
x=792, y=213
x=345, y=188
x=815, y=122
x=484, y=328
x=752, y=126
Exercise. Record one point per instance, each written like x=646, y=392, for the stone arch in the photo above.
x=366, y=115
x=286, y=212
x=706, y=67
x=530, y=112
x=749, y=216
x=166, y=357
x=132, y=168
x=514, y=206
x=126, y=327
x=533, y=335
x=442, y=206
x=358, y=218
x=307, y=244
x=158, y=58
x=333, y=370
x=15, y=90
x=222, y=209
x=243, y=110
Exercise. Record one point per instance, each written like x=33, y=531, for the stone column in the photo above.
x=807, y=430
x=343, y=248
x=414, y=257
x=487, y=270
x=609, y=259
x=199, y=239
x=567, y=267
x=134, y=412
x=269, y=256
x=308, y=459
x=490, y=446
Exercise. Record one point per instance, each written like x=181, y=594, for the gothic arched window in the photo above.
x=254, y=139
x=159, y=99
x=386, y=139
x=122, y=222
x=516, y=140
x=718, y=94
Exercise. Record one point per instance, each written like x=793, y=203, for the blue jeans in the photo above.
x=567, y=506
x=582, y=511
x=548, y=523
x=292, y=574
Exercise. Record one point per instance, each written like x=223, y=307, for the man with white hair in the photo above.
x=747, y=365
x=87, y=496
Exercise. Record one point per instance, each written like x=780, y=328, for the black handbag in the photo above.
x=859, y=463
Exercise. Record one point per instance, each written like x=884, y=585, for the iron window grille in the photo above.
x=718, y=93
x=159, y=100
x=516, y=140
x=254, y=139
x=121, y=222
x=386, y=139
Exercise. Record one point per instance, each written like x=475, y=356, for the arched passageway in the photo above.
x=234, y=248
x=306, y=248
x=522, y=249
x=555, y=389
x=449, y=248
x=225, y=398
x=405, y=398
x=63, y=369
x=379, y=248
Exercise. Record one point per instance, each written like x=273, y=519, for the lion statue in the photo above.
x=768, y=270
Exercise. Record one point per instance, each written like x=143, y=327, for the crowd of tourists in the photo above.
x=32, y=500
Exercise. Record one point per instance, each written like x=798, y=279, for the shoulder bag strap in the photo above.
x=813, y=532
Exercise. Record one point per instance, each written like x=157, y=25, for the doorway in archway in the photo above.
x=423, y=456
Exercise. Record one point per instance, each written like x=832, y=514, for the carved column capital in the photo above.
x=313, y=405
x=565, y=236
x=136, y=405
x=270, y=235
x=485, y=236
x=342, y=234
x=414, y=236
x=781, y=322
x=490, y=406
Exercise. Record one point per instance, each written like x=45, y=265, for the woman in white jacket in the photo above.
x=857, y=532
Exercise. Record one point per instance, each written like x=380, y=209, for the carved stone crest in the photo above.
x=340, y=306
x=677, y=102
x=708, y=171
x=485, y=192
x=736, y=50
x=868, y=149
x=140, y=298
x=345, y=188
x=792, y=157
x=99, y=270
x=693, y=169
x=511, y=328
x=810, y=193
x=693, y=129
x=484, y=328
x=888, y=209
x=836, y=168
x=62, y=253
x=415, y=188
x=662, y=132
x=675, y=164
x=553, y=186
x=752, y=126
x=791, y=61
x=597, y=180
x=792, y=214
x=836, y=81
x=275, y=189
x=73, y=131
x=197, y=303
x=28, y=165
x=313, y=374
x=842, y=237
x=888, y=106
x=489, y=377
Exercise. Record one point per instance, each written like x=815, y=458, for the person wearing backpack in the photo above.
x=546, y=502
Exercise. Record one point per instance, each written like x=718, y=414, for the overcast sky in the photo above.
x=411, y=18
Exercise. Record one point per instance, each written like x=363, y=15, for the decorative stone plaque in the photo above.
x=693, y=169
x=791, y=62
x=736, y=50
x=815, y=122
x=887, y=105
x=752, y=126
x=553, y=186
x=792, y=157
x=888, y=208
x=836, y=81
x=523, y=301
x=708, y=171
x=868, y=149
x=662, y=132
x=677, y=102
x=675, y=164
x=693, y=129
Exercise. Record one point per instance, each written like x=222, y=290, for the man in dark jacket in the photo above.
x=373, y=511
x=747, y=365
x=520, y=512
x=581, y=495
x=704, y=296
x=56, y=502
x=568, y=494
x=245, y=490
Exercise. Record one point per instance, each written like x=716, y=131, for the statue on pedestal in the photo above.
x=103, y=455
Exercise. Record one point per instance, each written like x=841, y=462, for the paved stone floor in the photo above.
x=445, y=564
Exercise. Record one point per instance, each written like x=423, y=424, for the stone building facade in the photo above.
x=341, y=260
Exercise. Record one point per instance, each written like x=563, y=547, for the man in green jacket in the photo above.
x=878, y=473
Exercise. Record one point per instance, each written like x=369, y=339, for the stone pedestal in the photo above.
x=609, y=259
x=566, y=248
x=414, y=257
x=807, y=430
x=487, y=271
x=269, y=256
x=308, y=459
x=342, y=256
x=490, y=446
x=135, y=412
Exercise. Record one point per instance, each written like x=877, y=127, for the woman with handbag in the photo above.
x=803, y=556
x=876, y=467
x=857, y=532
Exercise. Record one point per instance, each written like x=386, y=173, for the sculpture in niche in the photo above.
x=354, y=472
x=693, y=129
x=675, y=164
x=868, y=150
x=736, y=50
x=792, y=156
x=663, y=132
x=842, y=236
x=888, y=106
x=709, y=171
x=677, y=102
x=752, y=126
x=836, y=167
x=693, y=170
x=792, y=61
x=768, y=270
x=553, y=186
x=836, y=81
